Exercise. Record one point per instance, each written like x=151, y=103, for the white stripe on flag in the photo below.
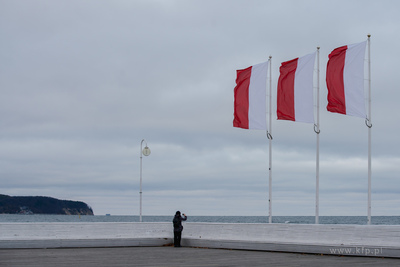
x=303, y=89
x=353, y=78
x=257, y=97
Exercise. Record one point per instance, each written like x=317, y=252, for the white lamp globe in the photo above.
x=146, y=151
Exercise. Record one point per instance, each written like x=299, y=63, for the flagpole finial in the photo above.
x=369, y=35
x=270, y=57
x=318, y=47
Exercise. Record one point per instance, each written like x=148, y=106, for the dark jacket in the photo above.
x=177, y=221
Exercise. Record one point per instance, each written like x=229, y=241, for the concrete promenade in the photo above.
x=347, y=240
x=176, y=257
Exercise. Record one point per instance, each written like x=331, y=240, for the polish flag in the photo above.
x=295, y=100
x=345, y=80
x=250, y=97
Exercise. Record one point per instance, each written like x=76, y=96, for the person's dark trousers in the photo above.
x=177, y=238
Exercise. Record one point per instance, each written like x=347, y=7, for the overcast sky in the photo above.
x=83, y=82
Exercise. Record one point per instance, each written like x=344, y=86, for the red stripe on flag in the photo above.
x=241, y=105
x=285, y=95
x=335, y=82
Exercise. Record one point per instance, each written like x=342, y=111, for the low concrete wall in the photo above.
x=358, y=240
x=84, y=230
x=355, y=240
x=57, y=235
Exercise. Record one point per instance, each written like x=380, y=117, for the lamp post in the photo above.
x=145, y=151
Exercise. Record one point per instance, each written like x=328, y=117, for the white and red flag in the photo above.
x=345, y=80
x=295, y=99
x=250, y=97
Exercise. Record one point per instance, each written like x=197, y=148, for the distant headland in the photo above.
x=42, y=205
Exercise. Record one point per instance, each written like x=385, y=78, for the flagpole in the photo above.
x=369, y=124
x=269, y=131
x=317, y=131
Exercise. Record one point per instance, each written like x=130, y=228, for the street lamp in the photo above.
x=145, y=151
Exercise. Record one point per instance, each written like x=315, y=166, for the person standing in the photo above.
x=177, y=221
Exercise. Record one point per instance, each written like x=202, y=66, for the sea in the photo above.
x=360, y=220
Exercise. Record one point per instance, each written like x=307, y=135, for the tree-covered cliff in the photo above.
x=42, y=205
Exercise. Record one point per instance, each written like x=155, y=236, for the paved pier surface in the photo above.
x=170, y=256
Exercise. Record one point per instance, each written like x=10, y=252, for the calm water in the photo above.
x=378, y=220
